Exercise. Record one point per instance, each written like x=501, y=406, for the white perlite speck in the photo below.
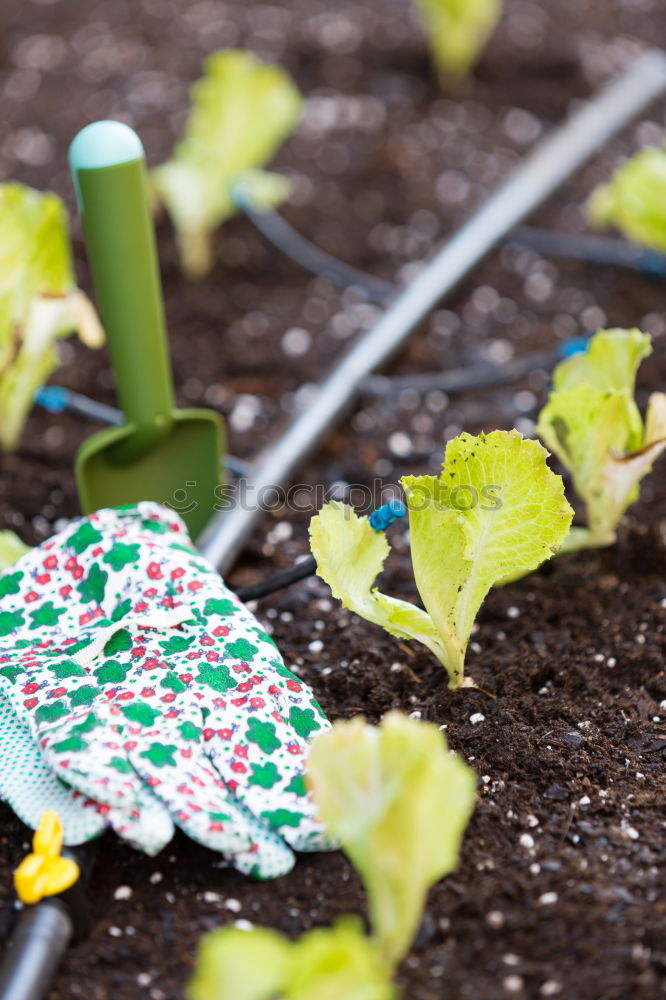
x=547, y=899
x=476, y=718
x=526, y=840
x=513, y=984
x=243, y=925
x=123, y=892
x=400, y=444
x=296, y=342
x=212, y=897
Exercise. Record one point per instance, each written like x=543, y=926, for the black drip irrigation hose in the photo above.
x=483, y=376
x=278, y=581
x=285, y=238
x=549, y=242
x=594, y=249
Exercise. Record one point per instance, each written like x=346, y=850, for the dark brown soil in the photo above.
x=560, y=891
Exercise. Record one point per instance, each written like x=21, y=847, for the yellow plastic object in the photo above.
x=44, y=872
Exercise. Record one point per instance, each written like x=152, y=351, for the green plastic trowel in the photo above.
x=159, y=453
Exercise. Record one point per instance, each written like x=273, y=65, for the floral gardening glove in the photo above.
x=154, y=695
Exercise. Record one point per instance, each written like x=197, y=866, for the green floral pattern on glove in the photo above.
x=154, y=694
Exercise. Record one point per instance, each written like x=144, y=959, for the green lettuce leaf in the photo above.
x=340, y=961
x=623, y=473
x=11, y=549
x=634, y=200
x=458, y=30
x=239, y=965
x=39, y=301
x=591, y=422
x=398, y=802
x=323, y=964
x=242, y=110
x=496, y=510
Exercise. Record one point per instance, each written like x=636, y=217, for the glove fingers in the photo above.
x=91, y=758
x=263, y=764
x=148, y=828
x=268, y=857
x=202, y=806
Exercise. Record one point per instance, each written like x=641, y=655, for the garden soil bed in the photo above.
x=560, y=890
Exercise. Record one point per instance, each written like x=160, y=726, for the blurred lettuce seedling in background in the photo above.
x=634, y=200
x=593, y=425
x=241, y=111
x=11, y=549
x=457, y=31
x=39, y=301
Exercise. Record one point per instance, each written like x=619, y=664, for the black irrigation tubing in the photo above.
x=278, y=581
x=481, y=376
x=311, y=257
x=542, y=172
x=548, y=242
x=595, y=249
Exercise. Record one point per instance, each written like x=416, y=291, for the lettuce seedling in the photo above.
x=398, y=802
x=634, y=200
x=242, y=110
x=39, y=300
x=458, y=30
x=11, y=549
x=593, y=425
x=327, y=963
x=495, y=510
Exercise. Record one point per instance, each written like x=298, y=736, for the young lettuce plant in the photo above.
x=242, y=110
x=11, y=549
x=593, y=425
x=327, y=963
x=634, y=200
x=495, y=510
x=39, y=300
x=398, y=802
x=458, y=30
